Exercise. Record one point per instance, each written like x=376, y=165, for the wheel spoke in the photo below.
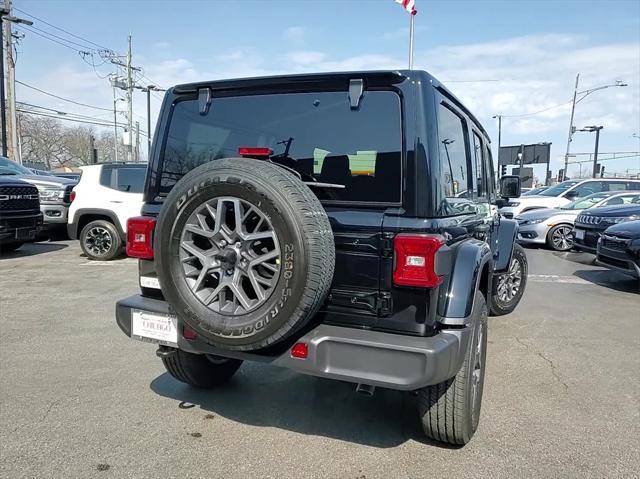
x=223, y=251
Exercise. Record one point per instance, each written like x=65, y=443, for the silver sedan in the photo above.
x=553, y=226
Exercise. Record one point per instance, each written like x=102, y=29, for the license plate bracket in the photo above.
x=155, y=328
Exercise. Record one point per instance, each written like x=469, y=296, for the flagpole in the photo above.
x=411, y=42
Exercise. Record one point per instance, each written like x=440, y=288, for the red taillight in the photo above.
x=300, y=351
x=72, y=196
x=255, y=152
x=189, y=333
x=415, y=260
x=140, y=237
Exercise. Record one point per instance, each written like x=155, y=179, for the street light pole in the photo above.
x=584, y=93
x=597, y=129
x=499, y=117
x=3, y=105
x=571, y=128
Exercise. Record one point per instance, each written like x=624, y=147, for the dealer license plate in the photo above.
x=154, y=327
x=579, y=234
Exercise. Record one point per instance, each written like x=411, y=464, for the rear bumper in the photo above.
x=360, y=356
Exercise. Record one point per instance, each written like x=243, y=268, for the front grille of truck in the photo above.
x=14, y=198
x=615, y=243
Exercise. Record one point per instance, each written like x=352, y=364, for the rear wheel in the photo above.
x=450, y=411
x=100, y=240
x=560, y=238
x=508, y=288
x=200, y=370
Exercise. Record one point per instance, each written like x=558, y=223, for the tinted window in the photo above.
x=491, y=183
x=622, y=200
x=589, y=188
x=454, y=163
x=316, y=134
x=558, y=189
x=130, y=180
x=478, y=167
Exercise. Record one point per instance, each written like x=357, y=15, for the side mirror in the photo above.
x=571, y=195
x=510, y=186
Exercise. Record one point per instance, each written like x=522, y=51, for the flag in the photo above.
x=409, y=6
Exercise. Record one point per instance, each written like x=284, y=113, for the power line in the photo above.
x=50, y=39
x=537, y=112
x=62, y=98
x=61, y=112
x=62, y=29
x=62, y=38
x=67, y=117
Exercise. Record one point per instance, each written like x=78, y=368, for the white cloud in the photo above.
x=294, y=34
x=536, y=72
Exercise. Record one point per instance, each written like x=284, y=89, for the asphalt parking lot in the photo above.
x=79, y=399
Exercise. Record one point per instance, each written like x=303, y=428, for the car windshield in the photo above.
x=8, y=167
x=315, y=134
x=588, y=202
x=558, y=189
x=535, y=191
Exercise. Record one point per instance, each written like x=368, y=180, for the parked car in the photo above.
x=619, y=248
x=283, y=223
x=107, y=195
x=567, y=191
x=55, y=194
x=590, y=224
x=20, y=215
x=70, y=176
x=535, y=191
x=554, y=226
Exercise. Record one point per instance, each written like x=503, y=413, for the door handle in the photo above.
x=115, y=201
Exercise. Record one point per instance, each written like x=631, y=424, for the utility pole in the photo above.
x=129, y=102
x=9, y=125
x=115, y=126
x=137, y=154
x=571, y=128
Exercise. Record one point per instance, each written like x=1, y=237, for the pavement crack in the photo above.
x=552, y=365
x=53, y=403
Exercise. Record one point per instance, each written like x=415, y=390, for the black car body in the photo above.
x=55, y=193
x=591, y=223
x=619, y=248
x=20, y=216
x=399, y=155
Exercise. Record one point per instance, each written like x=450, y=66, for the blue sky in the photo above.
x=535, y=49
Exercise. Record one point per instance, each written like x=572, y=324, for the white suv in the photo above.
x=107, y=195
x=566, y=192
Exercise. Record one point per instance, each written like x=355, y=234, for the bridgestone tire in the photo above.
x=448, y=411
x=200, y=370
x=116, y=242
x=307, y=253
x=499, y=307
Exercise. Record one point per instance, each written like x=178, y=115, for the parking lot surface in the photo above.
x=79, y=399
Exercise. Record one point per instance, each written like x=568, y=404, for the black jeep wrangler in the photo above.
x=341, y=225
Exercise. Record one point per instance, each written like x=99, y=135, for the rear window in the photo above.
x=129, y=179
x=316, y=134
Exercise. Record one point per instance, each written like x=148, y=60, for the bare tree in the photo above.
x=78, y=145
x=43, y=140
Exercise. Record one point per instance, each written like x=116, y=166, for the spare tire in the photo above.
x=244, y=253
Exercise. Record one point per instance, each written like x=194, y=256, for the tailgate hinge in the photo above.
x=386, y=244
x=384, y=303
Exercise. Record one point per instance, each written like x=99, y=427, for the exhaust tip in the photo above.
x=365, y=389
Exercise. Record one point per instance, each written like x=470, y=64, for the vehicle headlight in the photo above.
x=51, y=194
x=513, y=203
x=537, y=220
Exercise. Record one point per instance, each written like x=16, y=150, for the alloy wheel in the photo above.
x=509, y=282
x=98, y=241
x=230, y=255
x=562, y=238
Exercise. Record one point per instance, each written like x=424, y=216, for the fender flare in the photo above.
x=507, y=233
x=72, y=228
x=457, y=295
